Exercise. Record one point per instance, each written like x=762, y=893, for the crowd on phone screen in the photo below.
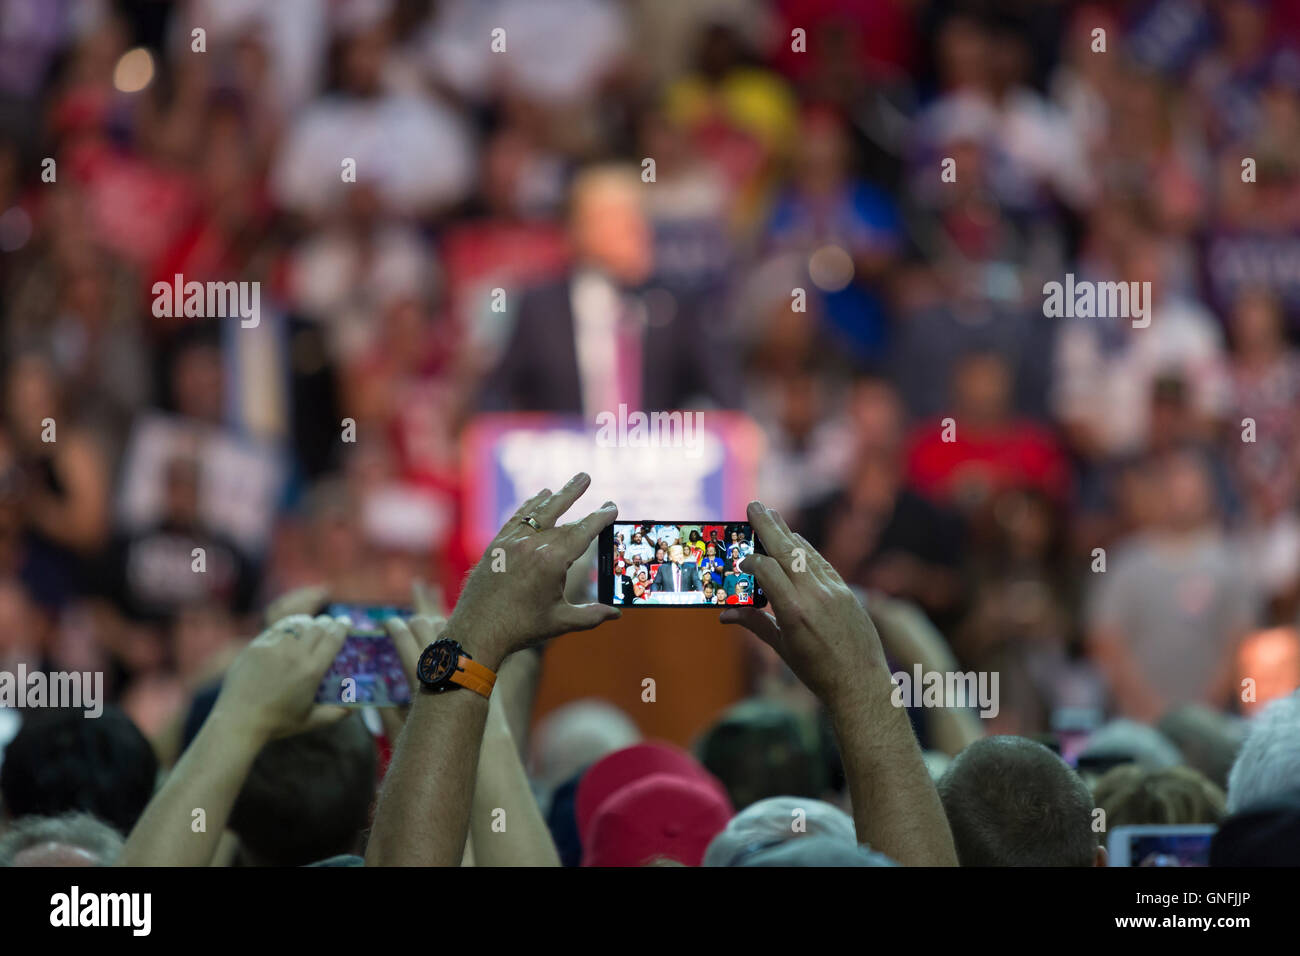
x=1110, y=523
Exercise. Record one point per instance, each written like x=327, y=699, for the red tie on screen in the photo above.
x=677, y=577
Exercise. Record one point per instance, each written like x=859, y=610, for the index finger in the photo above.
x=776, y=540
x=328, y=635
x=426, y=600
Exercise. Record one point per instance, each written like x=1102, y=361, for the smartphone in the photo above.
x=367, y=671
x=1160, y=845
x=677, y=564
x=1072, y=727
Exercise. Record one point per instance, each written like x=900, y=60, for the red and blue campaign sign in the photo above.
x=697, y=465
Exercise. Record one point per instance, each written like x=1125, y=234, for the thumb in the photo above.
x=583, y=617
x=761, y=624
x=425, y=599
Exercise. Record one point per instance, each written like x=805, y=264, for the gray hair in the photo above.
x=1268, y=765
x=577, y=735
x=1137, y=743
x=79, y=830
x=1209, y=740
x=769, y=822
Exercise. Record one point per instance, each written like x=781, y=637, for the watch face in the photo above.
x=437, y=663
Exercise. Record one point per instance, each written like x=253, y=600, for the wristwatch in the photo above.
x=445, y=665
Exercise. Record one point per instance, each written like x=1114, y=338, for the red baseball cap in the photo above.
x=661, y=815
x=619, y=770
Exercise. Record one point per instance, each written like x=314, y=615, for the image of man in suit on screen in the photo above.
x=675, y=574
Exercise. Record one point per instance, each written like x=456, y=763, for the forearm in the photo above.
x=506, y=823
x=896, y=807
x=954, y=729
x=423, y=814
x=911, y=638
x=208, y=777
x=518, y=695
x=1134, y=697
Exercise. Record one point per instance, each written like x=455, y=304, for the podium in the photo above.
x=699, y=667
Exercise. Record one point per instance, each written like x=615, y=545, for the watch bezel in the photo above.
x=445, y=654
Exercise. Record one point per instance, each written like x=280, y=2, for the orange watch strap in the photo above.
x=474, y=676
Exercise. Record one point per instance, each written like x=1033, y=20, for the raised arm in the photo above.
x=424, y=809
x=822, y=632
x=910, y=638
x=506, y=823
x=268, y=693
x=1134, y=695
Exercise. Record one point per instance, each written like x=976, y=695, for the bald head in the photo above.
x=55, y=854
x=1012, y=802
x=73, y=839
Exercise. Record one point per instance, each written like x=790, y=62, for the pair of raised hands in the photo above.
x=515, y=598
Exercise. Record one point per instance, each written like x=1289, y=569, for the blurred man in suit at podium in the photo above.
x=674, y=574
x=604, y=335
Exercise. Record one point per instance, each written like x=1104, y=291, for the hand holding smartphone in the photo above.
x=368, y=671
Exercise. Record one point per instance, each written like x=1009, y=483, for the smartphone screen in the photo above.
x=367, y=672
x=677, y=564
x=1072, y=727
x=1157, y=845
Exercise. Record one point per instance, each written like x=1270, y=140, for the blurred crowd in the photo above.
x=1111, y=523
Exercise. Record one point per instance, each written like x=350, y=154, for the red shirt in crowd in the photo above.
x=1014, y=455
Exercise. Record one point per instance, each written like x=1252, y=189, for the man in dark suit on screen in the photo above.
x=674, y=574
